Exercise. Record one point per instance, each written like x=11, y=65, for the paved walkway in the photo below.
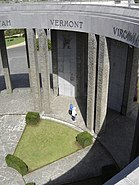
x=60, y=107
x=115, y=141
x=11, y=128
x=62, y=171
x=16, y=45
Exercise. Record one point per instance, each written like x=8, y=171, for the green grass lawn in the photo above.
x=45, y=143
x=14, y=40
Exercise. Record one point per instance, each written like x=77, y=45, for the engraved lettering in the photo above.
x=114, y=30
x=71, y=24
x=61, y=22
x=8, y=22
x=121, y=33
x=66, y=23
x=133, y=38
x=3, y=23
x=125, y=34
x=81, y=24
x=52, y=21
x=76, y=24
x=56, y=23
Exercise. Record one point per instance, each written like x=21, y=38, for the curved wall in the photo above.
x=104, y=56
x=120, y=23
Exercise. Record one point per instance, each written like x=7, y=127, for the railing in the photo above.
x=110, y=2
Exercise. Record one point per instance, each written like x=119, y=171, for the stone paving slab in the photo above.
x=83, y=164
x=11, y=128
x=60, y=107
x=64, y=170
x=19, y=102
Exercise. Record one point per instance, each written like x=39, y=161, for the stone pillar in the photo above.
x=44, y=65
x=130, y=80
x=55, y=62
x=50, y=50
x=102, y=84
x=27, y=53
x=135, y=143
x=92, y=57
x=50, y=60
x=34, y=72
x=80, y=65
x=85, y=65
x=5, y=64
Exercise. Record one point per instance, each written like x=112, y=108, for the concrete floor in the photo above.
x=116, y=135
x=113, y=145
x=60, y=107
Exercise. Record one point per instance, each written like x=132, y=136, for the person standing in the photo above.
x=70, y=109
x=74, y=114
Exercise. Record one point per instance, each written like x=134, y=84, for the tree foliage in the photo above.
x=11, y=32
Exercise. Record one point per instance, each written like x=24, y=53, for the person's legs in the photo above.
x=73, y=118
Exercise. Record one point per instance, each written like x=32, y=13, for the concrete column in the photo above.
x=130, y=80
x=85, y=64
x=50, y=50
x=44, y=65
x=102, y=84
x=55, y=62
x=133, y=79
x=135, y=143
x=50, y=60
x=27, y=53
x=92, y=57
x=5, y=64
x=34, y=72
x=79, y=65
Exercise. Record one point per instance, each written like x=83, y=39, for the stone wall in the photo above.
x=118, y=59
x=75, y=17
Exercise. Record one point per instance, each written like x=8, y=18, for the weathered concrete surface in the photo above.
x=54, y=62
x=5, y=64
x=102, y=83
x=118, y=137
x=19, y=102
x=11, y=128
x=101, y=20
x=44, y=67
x=118, y=62
x=133, y=80
x=92, y=60
x=34, y=69
x=60, y=107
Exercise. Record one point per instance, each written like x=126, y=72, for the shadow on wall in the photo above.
x=82, y=104
x=109, y=154
x=2, y=83
x=18, y=81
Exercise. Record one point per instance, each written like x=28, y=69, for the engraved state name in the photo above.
x=4, y=23
x=129, y=36
x=66, y=23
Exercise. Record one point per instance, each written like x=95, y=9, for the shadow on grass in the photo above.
x=106, y=158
